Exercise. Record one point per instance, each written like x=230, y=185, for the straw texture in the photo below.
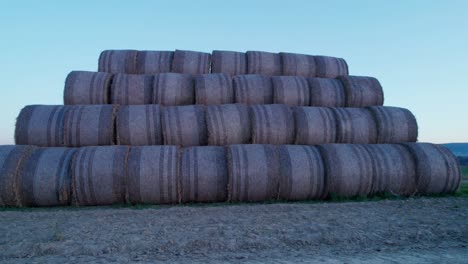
x=132, y=89
x=228, y=124
x=229, y=62
x=272, y=124
x=139, y=125
x=394, y=124
x=82, y=87
x=252, y=89
x=153, y=62
x=330, y=67
x=266, y=63
x=184, y=125
x=355, y=126
x=294, y=64
x=191, y=62
x=172, y=89
x=290, y=90
x=326, y=92
x=212, y=89
x=362, y=91
x=118, y=61
x=315, y=125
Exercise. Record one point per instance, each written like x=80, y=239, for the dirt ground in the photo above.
x=419, y=230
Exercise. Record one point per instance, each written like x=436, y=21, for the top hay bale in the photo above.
x=265, y=63
x=294, y=64
x=191, y=62
x=118, y=61
x=153, y=62
x=229, y=62
x=330, y=67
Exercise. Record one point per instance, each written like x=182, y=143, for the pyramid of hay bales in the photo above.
x=164, y=127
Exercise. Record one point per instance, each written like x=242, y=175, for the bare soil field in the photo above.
x=416, y=230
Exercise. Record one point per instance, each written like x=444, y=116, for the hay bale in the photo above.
x=253, y=173
x=89, y=125
x=118, y=61
x=98, y=175
x=184, y=125
x=191, y=62
x=355, y=126
x=349, y=171
x=394, y=124
x=204, y=174
x=139, y=125
x=252, y=89
x=40, y=125
x=228, y=124
x=82, y=87
x=153, y=62
x=11, y=162
x=213, y=89
x=228, y=62
x=46, y=177
x=294, y=64
x=394, y=169
x=172, y=89
x=290, y=90
x=314, y=125
x=437, y=169
x=302, y=173
x=132, y=89
x=330, y=67
x=153, y=175
x=272, y=124
x=326, y=92
x=266, y=63
x=362, y=91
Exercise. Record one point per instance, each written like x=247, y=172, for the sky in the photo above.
x=417, y=49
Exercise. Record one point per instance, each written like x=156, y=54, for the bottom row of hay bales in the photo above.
x=32, y=176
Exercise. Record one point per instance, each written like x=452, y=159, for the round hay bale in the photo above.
x=294, y=64
x=132, y=89
x=362, y=91
x=153, y=62
x=82, y=87
x=99, y=175
x=40, y=125
x=253, y=173
x=326, y=92
x=153, y=175
x=266, y=63
x=394, y=169
x=204, y=174
x=349, y=171
x=272, y=124
x=184, y=125
x=290, y=90
x=89, y=125
x=228, y=124
x=330, y=67
x=437, y=169
x=11, y=162
x=191, y=62
x=228, y=62
x=302, y=173
x=314, y=125
x=118, y=61
x=46, y=177
x=355, y=126
x=213, y=89
x=172, y=89
x=253, y=89
x=394, y=124
x=139, y=125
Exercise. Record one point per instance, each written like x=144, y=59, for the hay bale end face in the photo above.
x=153, y=62
x=330, y=67
x=118, y=61
x=213, y=89
x=98, y=175
x=228, y=124
x=265, y=63
x=171, y=89
x=229, y=62
x=153, y=175
x=139, y=125
x=394, y=124
x=314, y=125
x=290, y=90
x=40, y=125
x=252, y=89
x=362, y=91
x=191, y=62
x=89, y=125
x=184, y=125
x=355, y=126
x=11, y=163
x=294, y=64
x=132, y=89
x=302, y=173
x=253, y=173
x=82, y=87
x=272, y=124
x=46, y=177
x=204, y=174
x=326, y=92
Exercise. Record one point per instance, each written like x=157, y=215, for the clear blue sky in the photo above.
x=417, y=49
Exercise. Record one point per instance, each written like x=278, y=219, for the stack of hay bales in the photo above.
x=164, y=127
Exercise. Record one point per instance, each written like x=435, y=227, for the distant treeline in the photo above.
x=463, y=160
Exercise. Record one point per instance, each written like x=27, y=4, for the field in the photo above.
x=464, y=173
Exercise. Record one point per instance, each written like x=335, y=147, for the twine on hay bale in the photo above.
x=326, y=92
x=139, y=125
x=82, y=87
x=294, y=64
x=272, y=124
x=362, y=91
x=213, y=89
x=261, y=62
x=315, y=125
x=172, y=89
x=290, y=90
x=153, y=62
x=228, y=124
x=132, y=89
x=184, y=125
x=118, y=61
x=228, y=62
x=191, y=62
x=252, y=89
x=394, y=124
x=355, y=126
x=330, y=67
